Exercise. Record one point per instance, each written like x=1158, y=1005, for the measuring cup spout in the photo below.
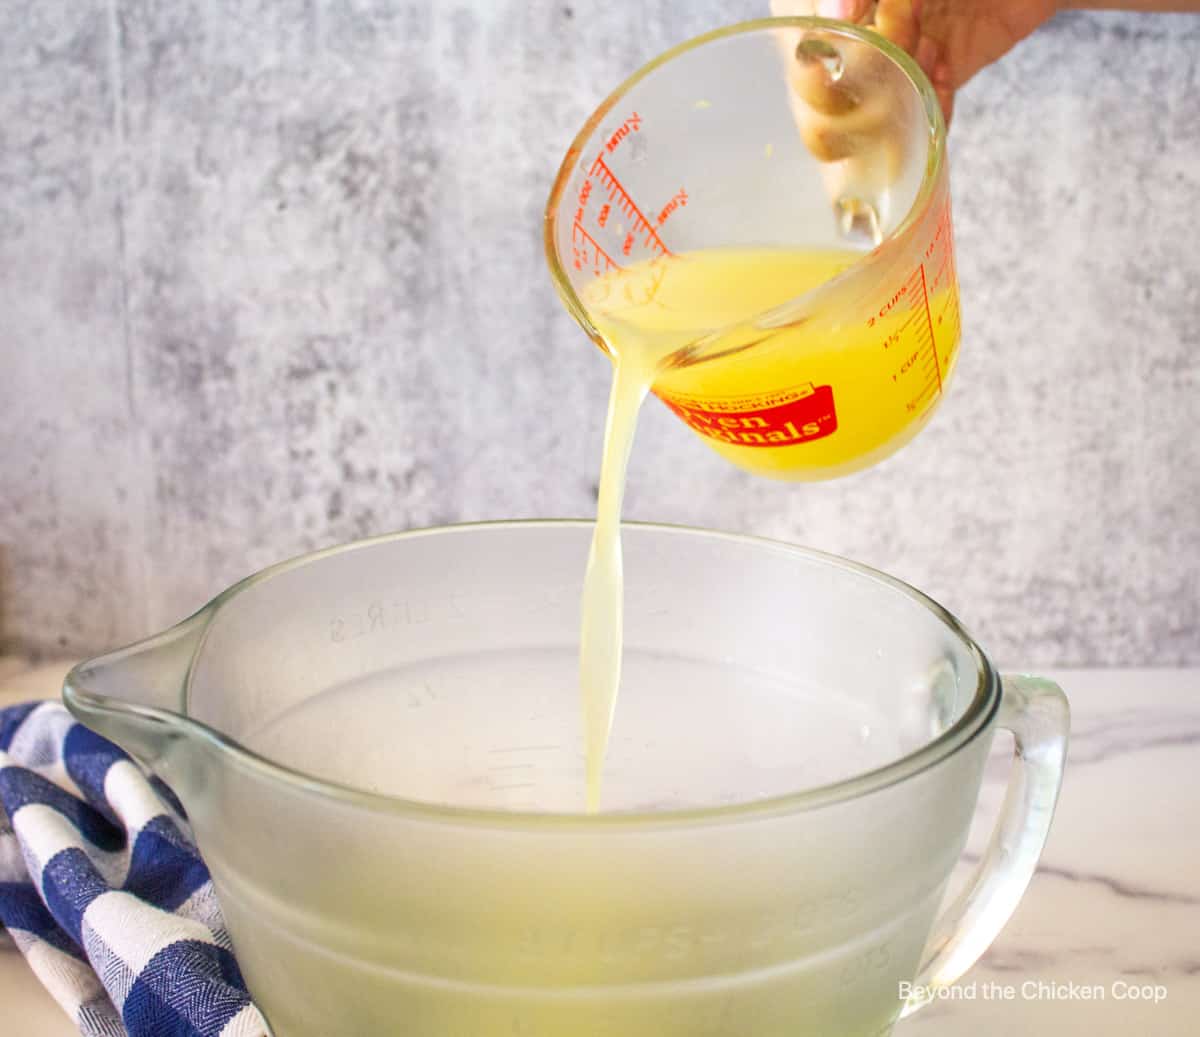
x=135, y=696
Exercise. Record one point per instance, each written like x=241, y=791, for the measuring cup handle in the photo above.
x=1037, y=714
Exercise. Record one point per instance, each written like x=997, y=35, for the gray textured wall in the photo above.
x=271, y=278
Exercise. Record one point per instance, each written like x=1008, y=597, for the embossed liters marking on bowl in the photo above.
x=512, y=768
x=866, y=964
x=419, y=696
x=383, y=616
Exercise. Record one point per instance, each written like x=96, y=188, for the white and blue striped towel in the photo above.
x=103, y=891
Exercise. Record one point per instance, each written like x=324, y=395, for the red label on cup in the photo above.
x=800, y=414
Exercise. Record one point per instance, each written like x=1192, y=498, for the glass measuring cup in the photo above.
x=378, y=748
x=796, y=135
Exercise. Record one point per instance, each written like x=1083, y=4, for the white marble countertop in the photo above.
x=1115, y=905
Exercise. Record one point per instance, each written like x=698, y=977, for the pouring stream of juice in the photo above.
x=646, y=313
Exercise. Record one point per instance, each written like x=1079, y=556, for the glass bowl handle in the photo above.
x=1037, y=714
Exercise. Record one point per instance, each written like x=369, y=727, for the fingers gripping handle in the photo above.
x=857, y=114
x=1037, y=714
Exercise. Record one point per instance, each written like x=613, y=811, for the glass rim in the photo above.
x=935, y=162
x=975, y=719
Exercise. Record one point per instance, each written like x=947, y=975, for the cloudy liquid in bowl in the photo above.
x=751, y=735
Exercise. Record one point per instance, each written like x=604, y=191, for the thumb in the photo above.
x=844, y=10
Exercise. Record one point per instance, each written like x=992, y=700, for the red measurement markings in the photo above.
x=941, y=237
x=918, y=320
x=950, y=244
x=950, y=263
x=937, y=367
x=620, y=197
x=678, y=202
x=630, y=125
x=943, y=280
x=587, y=251
x=584, y=193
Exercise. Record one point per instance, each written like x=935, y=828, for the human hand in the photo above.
x=950, y=39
